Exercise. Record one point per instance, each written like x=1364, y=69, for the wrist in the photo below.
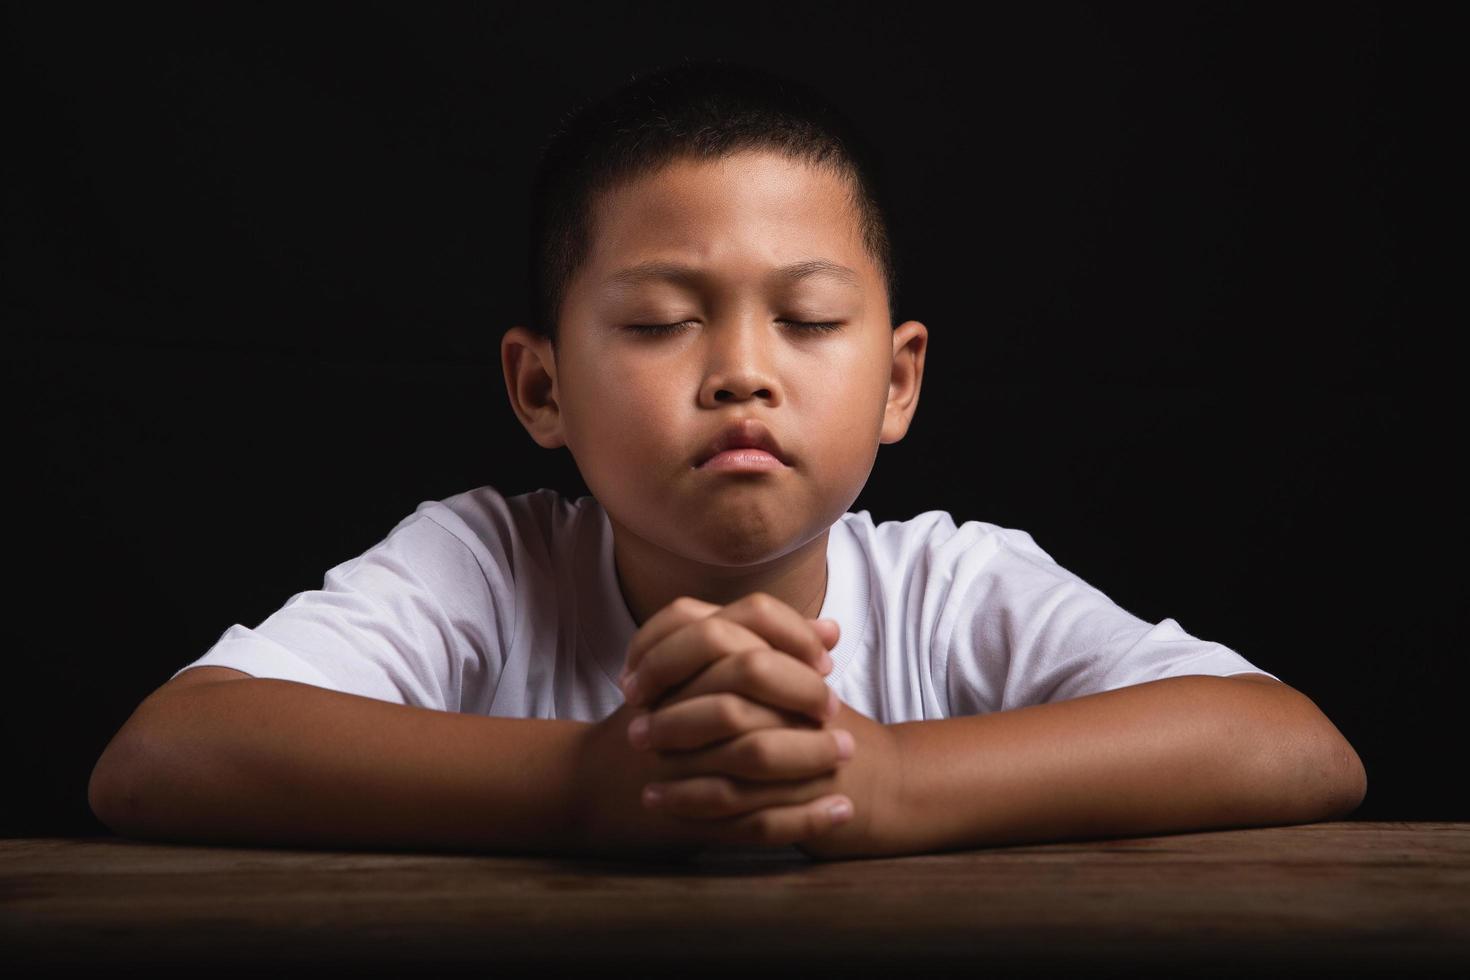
x=873, y=780
x=602, y=814
x=892, y=812
x=582, y=792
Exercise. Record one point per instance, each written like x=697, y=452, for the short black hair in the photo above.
x=705, y=109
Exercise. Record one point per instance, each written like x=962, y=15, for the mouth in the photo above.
x=743, y=444
x=742, y=460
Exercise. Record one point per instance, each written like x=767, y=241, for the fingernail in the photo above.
x=630, y=686
x=844, y=743
x=638, y=732
x=825, y=665
x=840, y=810
x=832, y=703
x=652, y=793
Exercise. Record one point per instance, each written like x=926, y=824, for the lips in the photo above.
x=742, y=434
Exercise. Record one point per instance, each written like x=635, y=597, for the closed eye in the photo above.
x=657, y=329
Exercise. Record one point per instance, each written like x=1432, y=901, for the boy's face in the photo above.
x=637, y=410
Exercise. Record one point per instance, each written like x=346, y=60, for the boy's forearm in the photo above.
x=1179, y=754
x=274, y=762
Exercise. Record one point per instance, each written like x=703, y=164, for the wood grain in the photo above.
x=1330, y=899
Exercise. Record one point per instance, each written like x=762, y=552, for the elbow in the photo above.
x=1326, y=778
x=1344, y=780
x=99, y=794
x=111, y=789
x=1353, y=781
x=1331, y=783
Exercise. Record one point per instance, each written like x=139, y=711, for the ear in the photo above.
x=529, y=364
x=910, y=341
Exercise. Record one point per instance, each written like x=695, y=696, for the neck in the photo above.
x=651, y=577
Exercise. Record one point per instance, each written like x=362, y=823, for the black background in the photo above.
x=258, y=261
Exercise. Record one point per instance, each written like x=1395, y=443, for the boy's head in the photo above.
x=734, y=209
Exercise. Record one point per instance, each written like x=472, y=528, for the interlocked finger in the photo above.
x=779, y=825
x=665, y=651
x=764, y=675
x=769, y=755
x=676, y=615
x=721, y=797
x=781, y=626
x=708, y=718
x=686, y=651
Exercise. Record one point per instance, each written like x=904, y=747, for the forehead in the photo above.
x=751, y=210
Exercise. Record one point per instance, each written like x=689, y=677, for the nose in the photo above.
x=738, y=365
x=739, y=390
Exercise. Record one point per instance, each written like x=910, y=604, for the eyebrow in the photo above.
x=689, y=275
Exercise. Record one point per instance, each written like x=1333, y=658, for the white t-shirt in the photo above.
x=511, y=607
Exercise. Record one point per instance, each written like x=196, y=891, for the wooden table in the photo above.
x=1329, y=899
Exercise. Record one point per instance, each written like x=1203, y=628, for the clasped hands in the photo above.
x=724, y=738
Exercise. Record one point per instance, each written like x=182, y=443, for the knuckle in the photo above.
x=712, y=796
x=723, y=795
x=687, y=606
x=753, y=666
x=683, y=799
x=715, y=631
x=757, y=753
x=730, y=711
x=763, y=603
x=764, y=827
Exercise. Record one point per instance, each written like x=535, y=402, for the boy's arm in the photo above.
x=266, y=761
x=1177, y=754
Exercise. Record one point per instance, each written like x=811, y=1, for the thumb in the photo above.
x=827, y=630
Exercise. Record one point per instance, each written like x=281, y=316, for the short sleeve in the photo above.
x=1032, y=632
x=419, y=619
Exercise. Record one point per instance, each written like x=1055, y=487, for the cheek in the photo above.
x=848, y=377
x=623, y=407
x=848, y=433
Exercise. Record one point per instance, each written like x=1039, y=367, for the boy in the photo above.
x=713, y=339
